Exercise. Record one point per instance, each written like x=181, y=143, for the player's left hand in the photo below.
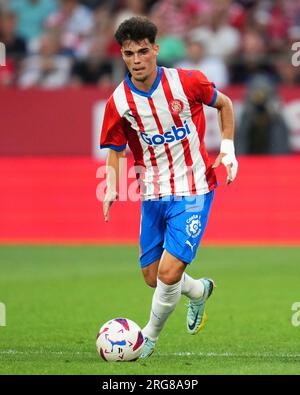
x=228, y=159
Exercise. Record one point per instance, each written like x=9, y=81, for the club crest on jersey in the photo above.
x=176, y=106
x=175, y=134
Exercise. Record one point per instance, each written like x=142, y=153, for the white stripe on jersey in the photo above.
x=120, y=99
x=198, y=167
x=122, y=105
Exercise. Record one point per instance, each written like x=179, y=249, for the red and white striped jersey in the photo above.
x=164, y=129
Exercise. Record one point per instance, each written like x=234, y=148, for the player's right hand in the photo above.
x=109, y=198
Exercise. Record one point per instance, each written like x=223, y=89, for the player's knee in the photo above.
x=169, y=277
x=150, y=274
x=150, y=280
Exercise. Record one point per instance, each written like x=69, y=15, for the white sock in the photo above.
x=164, y=301
x=191, y=288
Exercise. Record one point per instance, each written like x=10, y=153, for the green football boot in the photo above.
x=148, y=348
x=196, y=316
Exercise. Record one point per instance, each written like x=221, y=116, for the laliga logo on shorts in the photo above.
x=168, y=137
x=193, y=226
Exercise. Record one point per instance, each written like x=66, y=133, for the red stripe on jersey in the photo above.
x=137, y=150
x=133, y=108
x=155, y=169
x=185, y=143
x=199, y=122
x=167, y=149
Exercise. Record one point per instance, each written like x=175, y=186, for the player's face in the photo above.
x=140, y=58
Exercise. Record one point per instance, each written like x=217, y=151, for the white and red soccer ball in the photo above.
x=120, y=339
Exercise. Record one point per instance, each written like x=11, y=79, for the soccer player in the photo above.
x=158, y=112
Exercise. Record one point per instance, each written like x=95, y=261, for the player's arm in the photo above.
x=199, y=89
x=113, y=169
x=226, y=121
x=112, y=137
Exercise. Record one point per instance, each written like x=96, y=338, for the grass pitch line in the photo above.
x=231, y=355
x=44, y=352
x=176, y=354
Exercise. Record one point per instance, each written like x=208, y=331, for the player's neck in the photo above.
x=146, y=85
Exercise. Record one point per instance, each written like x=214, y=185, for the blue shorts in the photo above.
x=174, y=223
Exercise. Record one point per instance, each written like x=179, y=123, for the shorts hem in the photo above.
x=182, y=194
x=143, y=264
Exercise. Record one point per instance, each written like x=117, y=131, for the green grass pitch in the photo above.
x=57, y=298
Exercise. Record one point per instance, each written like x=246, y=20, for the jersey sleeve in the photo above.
x=112, y=133
x=198, y=87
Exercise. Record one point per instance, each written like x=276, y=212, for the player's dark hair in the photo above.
x=136, y=29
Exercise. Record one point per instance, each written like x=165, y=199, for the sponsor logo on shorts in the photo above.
x=193, y=226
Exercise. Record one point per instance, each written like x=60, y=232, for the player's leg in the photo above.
x=166, y=273
x=185, y=228
x=150, y=273
x=190, y=287
x=165, y=298
x=151, y=249
x=151, y=239
x=186, y=221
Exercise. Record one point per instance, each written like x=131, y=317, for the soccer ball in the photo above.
x=120, y=339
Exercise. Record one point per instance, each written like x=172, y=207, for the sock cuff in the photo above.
x=185, y=277
x=168, y=288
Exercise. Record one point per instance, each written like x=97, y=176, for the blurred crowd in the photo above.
x=57, y=43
